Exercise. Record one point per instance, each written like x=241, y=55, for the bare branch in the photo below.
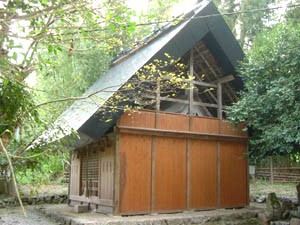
x=77, y=98
x=13, y=176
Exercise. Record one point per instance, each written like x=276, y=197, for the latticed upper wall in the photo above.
x=205, y=95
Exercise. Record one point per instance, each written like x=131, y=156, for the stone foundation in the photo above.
x=66, y=215
x=48, y=199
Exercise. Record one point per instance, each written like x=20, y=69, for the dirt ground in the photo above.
x=14, y=216
x=259, y=187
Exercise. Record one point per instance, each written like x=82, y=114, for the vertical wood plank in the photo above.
x=75, y=175
x=153, y=174
x=188, y=180
x=70, y=175
x=203, y=160
x=233, y=170
x=117, y=175
x=135, y=173
x=219, y=173
x=170, y=174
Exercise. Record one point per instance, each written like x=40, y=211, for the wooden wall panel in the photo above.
x=75, y=174
x=138, y=119
x=205, y=125
x=135, y=173
x=233, y=167
x=228, y=128
x=170, y=174
x=106, y=173
x=173, y=122
x=204, y=174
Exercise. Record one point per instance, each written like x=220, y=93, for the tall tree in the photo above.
x=52, y=26
x=245, y=26
x=270, y=103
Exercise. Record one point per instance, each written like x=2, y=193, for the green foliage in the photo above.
x=245, y=26
x=15, y=106
x=47, y=170
x=270, y=103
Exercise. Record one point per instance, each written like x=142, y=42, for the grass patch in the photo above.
x=263, y=187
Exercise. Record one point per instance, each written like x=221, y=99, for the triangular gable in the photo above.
x=176, y=41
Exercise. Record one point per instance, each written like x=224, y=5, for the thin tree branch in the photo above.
x=77, y=98
x=13, y=176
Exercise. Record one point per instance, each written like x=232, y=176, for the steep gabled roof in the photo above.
x=175, y=40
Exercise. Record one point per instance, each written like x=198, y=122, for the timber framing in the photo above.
x=177, y=153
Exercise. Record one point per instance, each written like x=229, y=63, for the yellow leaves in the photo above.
x=167, y=55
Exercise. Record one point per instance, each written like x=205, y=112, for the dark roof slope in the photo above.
x=176, y=40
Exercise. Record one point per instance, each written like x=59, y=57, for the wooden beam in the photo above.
x=212, y=96
x=213, y=71
x=219, y=91
x=180, y=134
x=200, y=83
x=205, y=84
x=224, y=79
x=94, y=200
x=191, y=91
x=158, y=95
x=206, y=104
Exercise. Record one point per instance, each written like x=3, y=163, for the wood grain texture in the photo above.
x=233, y=170
x=138, y=119
x=203, y=160
x=170, y=174
x=135, y=173
x=75, y=174
x=228, y=128
x=205, y=125
x=107, y=173
x=172, y=122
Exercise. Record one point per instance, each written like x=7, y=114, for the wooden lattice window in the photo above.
x=89, y=172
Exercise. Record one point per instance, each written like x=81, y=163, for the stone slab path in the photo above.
x=65, y=215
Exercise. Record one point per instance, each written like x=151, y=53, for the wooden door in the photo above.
x=75, y=174
x=106, y=173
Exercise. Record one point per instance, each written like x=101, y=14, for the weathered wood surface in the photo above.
x=75, y=174
x=160, y=173
x=170, y=174
x=233, y=174
x=203, y=174
x=135, y=173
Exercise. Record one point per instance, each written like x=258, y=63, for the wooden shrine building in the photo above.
x=178, y=154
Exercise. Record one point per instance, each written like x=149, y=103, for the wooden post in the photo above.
x=116, y=195
x=271, y=170
x=191, y=91
x=219, y=101
x=158, y=94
